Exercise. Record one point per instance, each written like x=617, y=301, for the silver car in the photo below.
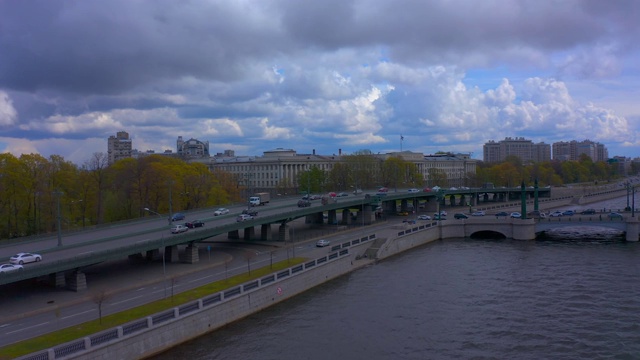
x=23, y=258
x=323, y=243
x=7, y=268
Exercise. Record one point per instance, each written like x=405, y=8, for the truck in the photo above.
x=261, y=198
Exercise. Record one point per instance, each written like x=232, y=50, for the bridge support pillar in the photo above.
x=463, y=200
x=404, y=205
x=235, y=234
x=346, y=216
x=58, y=279
x=633, y=231
x=265, y=232
x=191, y=254
x=249, y=232
x=283, y=233
x=151, y=254
x=332, y=218
x=77, y=281
x=171, y=254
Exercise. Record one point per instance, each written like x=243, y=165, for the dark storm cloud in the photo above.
x=110, y=46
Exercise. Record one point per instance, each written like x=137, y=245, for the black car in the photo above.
x=250, y=212
x=588, y=212
x=502, y=214
x=460, y=216
x=194, y=224
x=304, y=203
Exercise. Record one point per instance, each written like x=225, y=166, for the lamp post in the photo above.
x=58, y=194
x=164, y=265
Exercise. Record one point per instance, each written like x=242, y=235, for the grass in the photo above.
x=107, y=322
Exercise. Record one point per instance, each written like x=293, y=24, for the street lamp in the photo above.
x=58, y=194
x=164, y=265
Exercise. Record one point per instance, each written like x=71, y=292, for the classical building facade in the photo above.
x=524, y=149
x=281, y=167
x=192, y=148
x=118, y=147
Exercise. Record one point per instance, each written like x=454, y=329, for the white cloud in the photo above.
x=8, y=113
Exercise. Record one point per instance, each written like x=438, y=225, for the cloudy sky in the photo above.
x=252, y=76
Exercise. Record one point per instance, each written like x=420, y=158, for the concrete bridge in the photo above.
x=527, y=229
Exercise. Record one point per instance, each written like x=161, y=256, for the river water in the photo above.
x=575, y=295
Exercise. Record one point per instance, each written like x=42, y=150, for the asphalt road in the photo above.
x=29, y=309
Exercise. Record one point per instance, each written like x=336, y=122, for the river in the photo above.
x=575, y=295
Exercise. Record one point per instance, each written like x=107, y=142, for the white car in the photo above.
x=323, y=243
x=176, y=229
x=23, y=258
x=516, y=215
x=221, y=211
x=7, y=268
x=413, y=190
x=478, y=213
x=424, y=217
x=556, y=213
x=243, y=217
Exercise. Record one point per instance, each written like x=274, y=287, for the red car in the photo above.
x=383, y=189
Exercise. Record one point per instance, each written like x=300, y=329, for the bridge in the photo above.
x=528, y=229
x=64, y=264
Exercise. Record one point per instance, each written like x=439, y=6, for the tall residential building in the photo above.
x=524, y=149
x=118, y=147
x=572, y=150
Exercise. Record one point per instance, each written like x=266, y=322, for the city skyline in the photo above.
x=249, y=76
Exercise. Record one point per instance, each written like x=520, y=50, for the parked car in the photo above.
x=315, y=197
x=409, y=221
x=424, y=217
x=426, y=189
x=478, y=213
x=177, y=229
x=243, y=217
x=615, y=215
x=383, y=189
x=556, y=213
x=357, y=191
x=568, y=213
x=460, y=216
x=413, y=190
x=435, y=188
x=177, y=216
x=7, y=268
x=439, y=217
x=251, y=212
x=588, y=212
x=23, y=258
x=221, y=211
x=304, y=203
x=323, y=243
x=453, y=188
x=502, y=214
x=515, y=215
x=194, y=224
x=341, y=194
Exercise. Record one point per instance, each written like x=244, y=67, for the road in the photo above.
x=28, y=311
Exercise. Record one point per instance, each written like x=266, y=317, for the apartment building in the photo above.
x=524, y=149
x=118, y=147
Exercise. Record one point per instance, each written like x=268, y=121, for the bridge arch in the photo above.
x=488, y=234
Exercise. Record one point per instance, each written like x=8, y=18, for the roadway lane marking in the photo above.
x=4, y=325
x=126, y=300
x=80, y=313
x=85, y=253
x=27, y=328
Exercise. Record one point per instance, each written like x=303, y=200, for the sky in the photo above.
x=331, y=75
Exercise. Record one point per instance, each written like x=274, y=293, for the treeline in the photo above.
x=512, y=172
x=34, y=188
